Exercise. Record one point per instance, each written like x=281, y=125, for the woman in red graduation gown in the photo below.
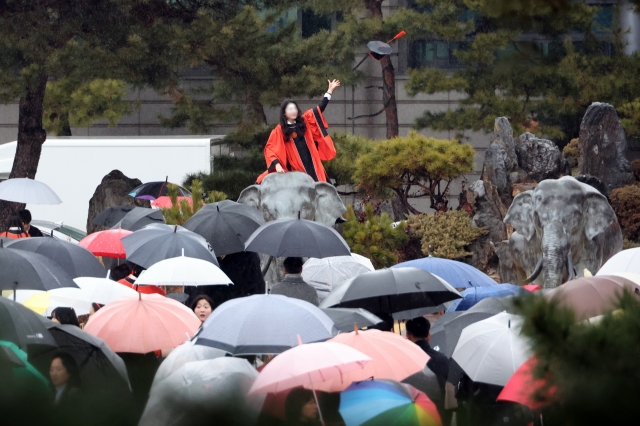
x=301, y=141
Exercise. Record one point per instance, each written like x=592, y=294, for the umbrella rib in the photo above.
x=491, y=346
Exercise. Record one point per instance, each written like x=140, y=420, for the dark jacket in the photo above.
x=294, y=286
x=35, y=232
x=439, y=363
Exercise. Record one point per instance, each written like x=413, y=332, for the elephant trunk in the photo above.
x=555, y=249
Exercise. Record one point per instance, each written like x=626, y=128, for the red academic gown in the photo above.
x=318, y=141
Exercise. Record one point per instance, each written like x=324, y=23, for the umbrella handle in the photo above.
x=315, y=396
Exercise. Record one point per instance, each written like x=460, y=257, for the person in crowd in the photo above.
x=95, y=307
x=63, y=315
x=386, y=324
x=25, y=216
x=65, y=378
x=418, y=332
x=301, y=408
x=130, y=280
x=13, y=228
x=202, y=306
x=293, y=285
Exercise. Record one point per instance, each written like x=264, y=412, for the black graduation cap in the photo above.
x=378, y=49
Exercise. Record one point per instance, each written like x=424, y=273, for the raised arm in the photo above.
x=327, y=96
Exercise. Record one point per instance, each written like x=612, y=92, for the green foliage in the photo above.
x=403, y=163
x=69, y=103
x=571, y=149
x=349, y=148
x=446, y=234
x=540, y=86
x=625, y=202
x=374, y=237
x=630, y=116
x=182, y=210
x=592, y=366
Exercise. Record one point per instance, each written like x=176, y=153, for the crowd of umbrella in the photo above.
x=321, y=348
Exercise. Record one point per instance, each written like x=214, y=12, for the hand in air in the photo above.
x=332, y=85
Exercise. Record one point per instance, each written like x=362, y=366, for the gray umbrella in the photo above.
x=25, y=270
x=138, y=218
x=345, y=318
x=264, y=324
x=445, y=340
x=111, y=215
x=297, y=238
x=427, y=382
x=494, y=305
x=159, y=242
x=74, y=259
x=227, y=225
x=391, y=290
x=24, y=327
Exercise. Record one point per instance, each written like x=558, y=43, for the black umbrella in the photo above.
x=24, y=270
x=152, y=190
x=391, y=290
x=440, y=322
x=74, y=259
x=227, y=225
x=138, y=218
x=297, y=238
x=24, y=327
x=345, y=318
x=159, y=242
x=111, y=215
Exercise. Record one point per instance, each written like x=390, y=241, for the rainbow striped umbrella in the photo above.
x=387, y=403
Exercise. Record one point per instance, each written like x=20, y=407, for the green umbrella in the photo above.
x=25, y=368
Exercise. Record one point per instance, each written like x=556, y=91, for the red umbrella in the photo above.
x=532, y=287
x=522, y=387
x=106, y=243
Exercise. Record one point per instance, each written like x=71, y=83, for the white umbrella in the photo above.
x=491, y=350
x=182, y=271
x=363, y=260
x=324, y=274
x=624, y=261
x=28, y=191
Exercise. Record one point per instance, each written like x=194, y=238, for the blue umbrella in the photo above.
x=471, y=296
x=458, y=274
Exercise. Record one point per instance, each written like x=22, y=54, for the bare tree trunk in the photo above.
x=388, y=79
x=31, y=136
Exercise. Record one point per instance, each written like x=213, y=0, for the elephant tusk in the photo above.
x=266, y=267
x=535, y=273
x=570, y=270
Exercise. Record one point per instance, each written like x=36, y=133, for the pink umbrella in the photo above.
x=532, y=287
x=146, y=324
x=393, y=357
x=164, y=202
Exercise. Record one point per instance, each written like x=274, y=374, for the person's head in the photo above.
x=64, y=370
x=119, y=272
x=418, y=329
x=202, y=306
x=290, y=113
x=300, y=406
x=64, y=315
x=25, y=216
x=386, y=324
x=95, y=307
x=14, y=221
x=293, y=265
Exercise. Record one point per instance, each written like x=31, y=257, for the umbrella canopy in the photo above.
x=111, y=215
x=99, y=366
x=471, y=296
x=143, y=325
x=324, y=274
x=31, y=271
x=387, y=403
x=448, y=336
x=152, y=190
x=183, y=271
x=307, y=365
x=589, y=297
x=345, y=318
x=164, y=202
x=391, y=290
x=11, y=354
x=227, y=225
x=138, y=218
x=76, y=260
x=297, y=238
x=23, y=327
x=458, y=274
x=264, y=324
x=491, y=350
x=106, y=243
x=150, y=245
x=183, y=354
x=392, y=357
x=28, y=191
x=532, y=287
x=624, y=261
x=523, y=387
x=91, y=290
x=213, y=388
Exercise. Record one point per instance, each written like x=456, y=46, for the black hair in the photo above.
x=14, y=221
x=65, y=316
x=198, y=298
x=386, y=324
x=293, y=265
x=96, y=306
x=418, y=327
x=296, y=399
x=119, y=272
x=25, y=216
x=300, y=125
x=71, y=366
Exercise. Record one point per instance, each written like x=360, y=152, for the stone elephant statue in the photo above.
x=563, y=226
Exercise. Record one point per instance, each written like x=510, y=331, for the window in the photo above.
x=313, y=23
x=434, y=53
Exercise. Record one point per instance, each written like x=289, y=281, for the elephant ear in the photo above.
x=520, y=215
x=329, y=205
x=250, y=196
x=598, y=213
